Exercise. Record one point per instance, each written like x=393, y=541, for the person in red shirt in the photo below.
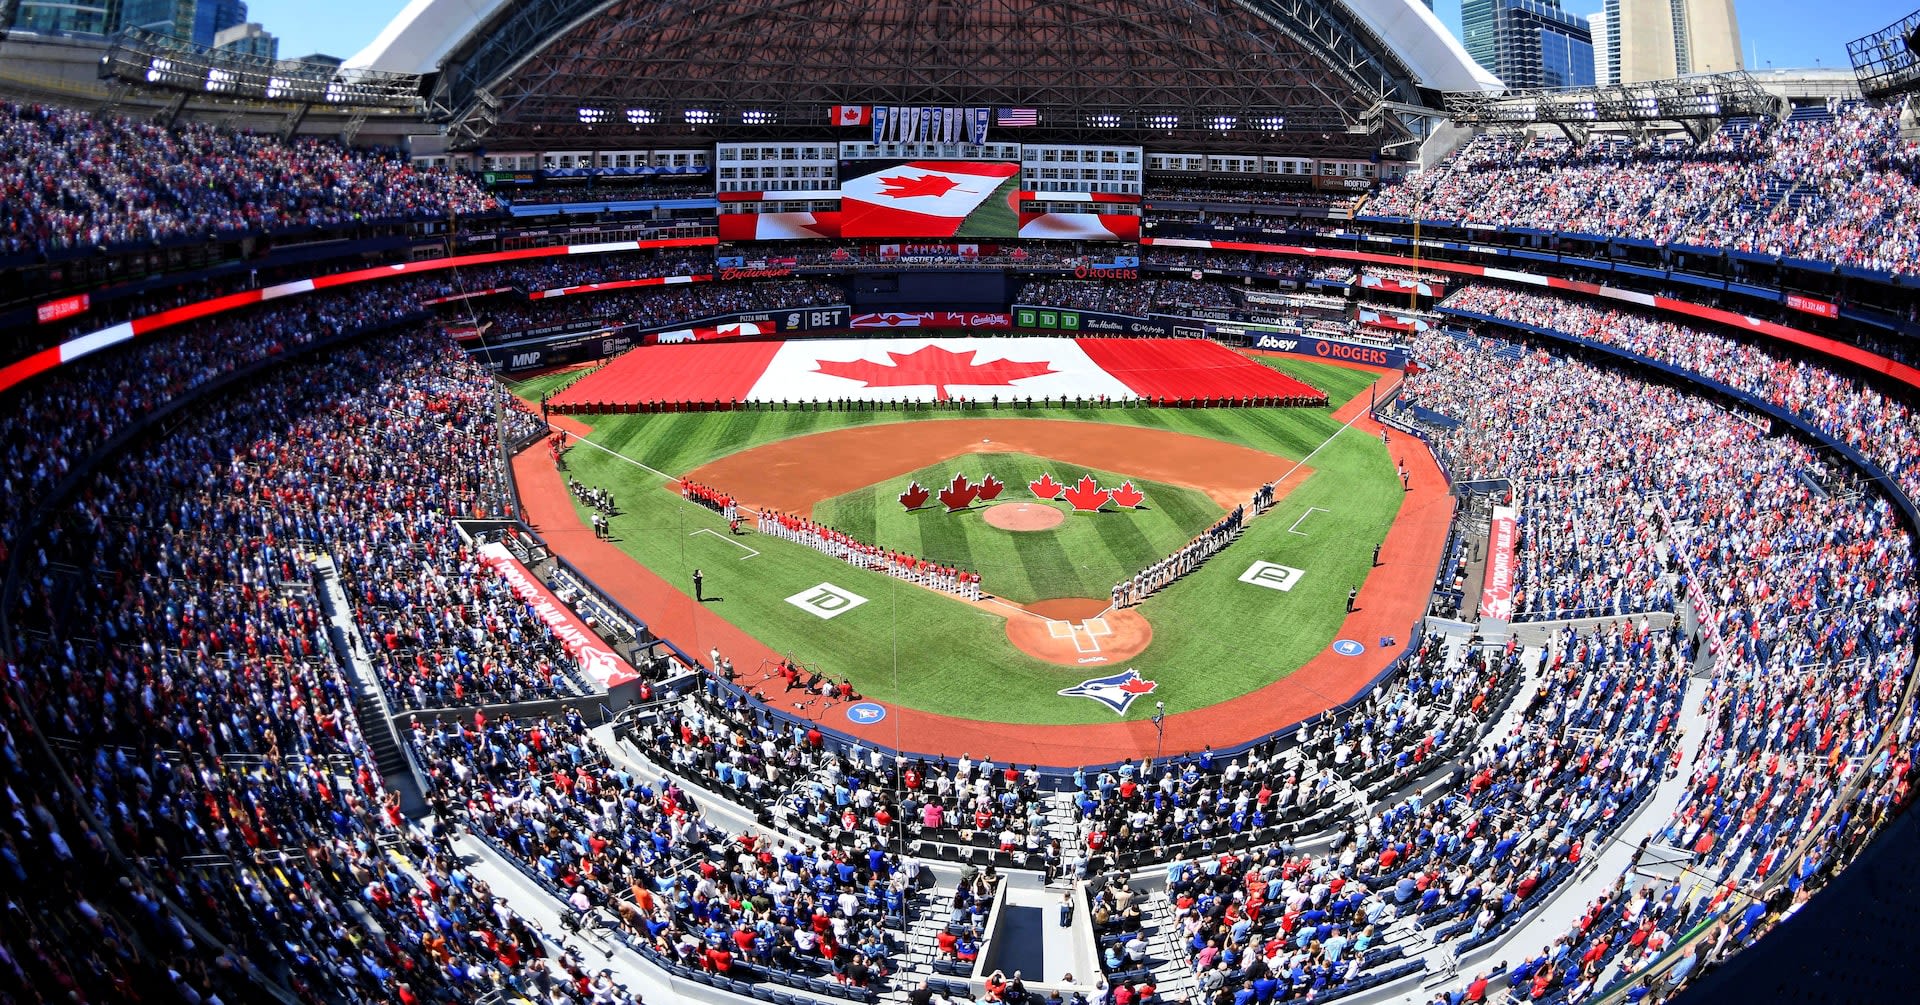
x=1477, y=991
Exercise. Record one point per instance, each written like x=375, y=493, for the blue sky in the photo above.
x=1785, y=32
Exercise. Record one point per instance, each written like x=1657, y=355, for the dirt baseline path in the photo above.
x=792, y=475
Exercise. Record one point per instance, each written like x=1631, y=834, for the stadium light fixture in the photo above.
x=1222, y=123
x=593, y=116
x=757, y=117
x=1104, y=120
x=1163, y=121
x=699, y=117
x=642, y=116
x=1271, y=123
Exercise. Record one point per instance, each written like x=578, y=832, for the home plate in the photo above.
x=1092, y=629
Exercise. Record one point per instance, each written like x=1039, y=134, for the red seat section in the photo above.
x=680, y=372
x=1189, y=368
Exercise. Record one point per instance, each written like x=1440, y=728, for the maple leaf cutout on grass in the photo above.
x=990, y=488
x=1128, y=496
x=1138, y=686
x=915, y=496
x=935, y=366
x=904, y=187
x=1087, y=495
x=1046, y=487
x=958, y=495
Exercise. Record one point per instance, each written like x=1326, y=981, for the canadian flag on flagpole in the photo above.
x=852, y=115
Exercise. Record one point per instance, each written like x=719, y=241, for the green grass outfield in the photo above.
x=1082, y=557
x=1214, y=637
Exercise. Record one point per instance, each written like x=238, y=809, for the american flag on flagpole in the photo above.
x=1013, y=117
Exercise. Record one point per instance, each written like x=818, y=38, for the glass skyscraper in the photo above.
x=1528, y=43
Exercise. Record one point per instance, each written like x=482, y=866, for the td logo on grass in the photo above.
x=1272, y=575
x=826, y=600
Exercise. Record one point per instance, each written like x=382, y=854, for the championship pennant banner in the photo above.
x=917, y=123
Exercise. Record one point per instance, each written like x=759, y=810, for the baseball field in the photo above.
x=1251, y=615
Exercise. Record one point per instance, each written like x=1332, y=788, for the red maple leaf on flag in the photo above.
x=1046, y=487
x=1138, y=686
x=915, y=496
x=990, y=488
x=958, y=495
x=1128, y=496
x=1088, y=495
x=904, y=187
x=933, y=365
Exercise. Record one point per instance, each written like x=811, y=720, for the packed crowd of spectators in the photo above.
x=74, y=179
x=604, y=191
x=1517, y=817
x=1804, y=592
x=1247, y=193
x=1409, y=730
x=1838, y=187
x=655, y=305
x=641, y=854
x=569, y=270
x=1137, y=298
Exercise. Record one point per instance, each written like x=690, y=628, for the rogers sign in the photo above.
x=1328, y=349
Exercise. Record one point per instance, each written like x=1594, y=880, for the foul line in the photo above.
x=750, y=553
x=575, y=438
x=1297, y=465
x=1303, y=516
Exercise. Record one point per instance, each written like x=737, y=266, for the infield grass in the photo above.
x=1082, y=557
x=1214, y=637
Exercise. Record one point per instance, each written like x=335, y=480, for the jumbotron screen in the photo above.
x=927, y=198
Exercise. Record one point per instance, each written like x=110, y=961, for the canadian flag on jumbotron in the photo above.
x=920, y=198
x=778, y=226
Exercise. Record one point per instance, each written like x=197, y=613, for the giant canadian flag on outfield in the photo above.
x=923, y=198
x=936, y=368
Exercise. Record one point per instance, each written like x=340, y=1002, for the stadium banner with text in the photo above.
x=586, y=340
x=1810, y=305
x=469, y=295
x=1496, y=593
x=932, y=319
x=1057, y=319
x=1318, y=346
x=928, y=198
x=593, y=654
x=65, y=307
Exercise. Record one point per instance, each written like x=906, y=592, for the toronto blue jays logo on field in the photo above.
x=1116, y=691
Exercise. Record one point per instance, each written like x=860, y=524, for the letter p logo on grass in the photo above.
x=1272, y=575
x=826, y=600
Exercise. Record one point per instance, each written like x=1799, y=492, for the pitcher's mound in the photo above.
x=1023, y=516
x=1074, y=632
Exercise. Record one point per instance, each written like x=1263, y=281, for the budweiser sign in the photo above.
x=586, y=648
x=763, y=272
